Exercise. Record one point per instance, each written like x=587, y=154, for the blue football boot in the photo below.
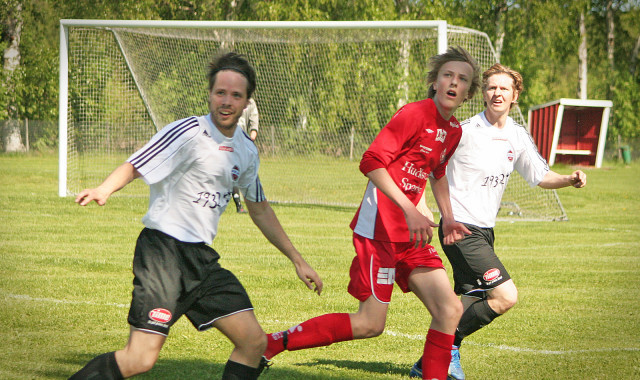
x=416, y=370
x=455, y=369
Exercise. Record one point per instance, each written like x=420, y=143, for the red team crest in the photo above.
x=160, y=315
x=491, y=274
x=235, y=172
x=510, y=155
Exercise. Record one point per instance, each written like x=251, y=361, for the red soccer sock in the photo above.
x=437, y=355
x=316, y=332
x=275, y=344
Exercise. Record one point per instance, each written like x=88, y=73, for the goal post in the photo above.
x=324, y=90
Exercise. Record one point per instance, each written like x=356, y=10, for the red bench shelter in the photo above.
x=571, y=131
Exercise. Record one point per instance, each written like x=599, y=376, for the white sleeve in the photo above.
x=530, y=164
x=249, y=182
x=164, y=153
x=254, y=191
x=254, y=118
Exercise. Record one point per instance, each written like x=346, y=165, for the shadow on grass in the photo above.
x=186, y=369
x=367, y=366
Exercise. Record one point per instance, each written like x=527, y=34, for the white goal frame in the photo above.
x=65, y=24
x=441, y=34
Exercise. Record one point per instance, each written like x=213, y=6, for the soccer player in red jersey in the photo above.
x=391, y=237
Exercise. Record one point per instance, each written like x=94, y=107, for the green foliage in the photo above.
x=541, y=42
x=626, y=101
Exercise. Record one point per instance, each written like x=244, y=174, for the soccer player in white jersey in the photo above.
x=391, y=237
x=250, y=123
x=191, y=167
x=491, y=148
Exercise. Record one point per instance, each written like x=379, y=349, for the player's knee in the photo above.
x=451, y=311
x=147, y=363
x=254, y=344
x=456, y=310
x=510, y=300
x=261, y=343
x=506, y=301
x=367, y=328
x=373, y=330
x=139, y=364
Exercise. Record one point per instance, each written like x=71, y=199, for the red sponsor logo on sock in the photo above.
x=160, y=315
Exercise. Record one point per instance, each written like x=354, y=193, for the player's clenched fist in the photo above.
x=578, y=179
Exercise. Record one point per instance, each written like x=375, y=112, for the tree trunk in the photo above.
x=11, y=138
x=402, y=7
x=634, y=57
x=232, y=12
x=13, y=23
x=610, y=46
x=582, y=57
x=403, y=86
x=610, y=34
x=501, y=16
x=13, y=32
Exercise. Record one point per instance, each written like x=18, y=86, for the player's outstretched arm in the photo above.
x=118, y=179
x=553, y=180
x=265, y=218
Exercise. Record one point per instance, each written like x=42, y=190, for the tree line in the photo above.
x=564, y=49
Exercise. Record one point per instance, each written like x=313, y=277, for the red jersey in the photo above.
x=415, y=144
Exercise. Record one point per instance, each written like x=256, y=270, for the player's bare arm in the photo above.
x=553, y=180
x=452, y=230
x=118, y=179
x=424, y=209
x=265, y=218
x=420, y=227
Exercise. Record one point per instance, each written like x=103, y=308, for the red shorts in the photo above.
x=378, y=264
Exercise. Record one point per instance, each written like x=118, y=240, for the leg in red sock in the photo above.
x=437, y=355
x=316, y=332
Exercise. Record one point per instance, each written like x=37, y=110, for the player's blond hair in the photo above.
x=453, y=54
x=518, y=83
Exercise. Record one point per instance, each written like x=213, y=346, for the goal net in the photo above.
x=325, y=89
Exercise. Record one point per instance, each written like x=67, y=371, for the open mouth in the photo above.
x=452, y=93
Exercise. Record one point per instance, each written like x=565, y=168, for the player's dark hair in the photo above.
x=236, y=62
x=456, y=54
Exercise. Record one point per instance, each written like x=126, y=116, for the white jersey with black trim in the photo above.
x=479, y=170
x=191, y=169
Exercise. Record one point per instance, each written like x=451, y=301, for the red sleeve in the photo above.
x=390, y=142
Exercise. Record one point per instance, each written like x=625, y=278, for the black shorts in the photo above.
x=476, y=266
x=172, y=278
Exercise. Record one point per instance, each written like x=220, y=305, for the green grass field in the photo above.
x=65, y=284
